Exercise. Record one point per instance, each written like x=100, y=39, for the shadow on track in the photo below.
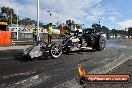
x=21, y=58
x=78, y=52
x=19, y=55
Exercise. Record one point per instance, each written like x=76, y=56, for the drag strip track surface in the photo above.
x=58, y=73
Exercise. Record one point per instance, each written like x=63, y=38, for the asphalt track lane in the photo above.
x=52, y=71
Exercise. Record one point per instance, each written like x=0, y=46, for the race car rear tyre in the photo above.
x=100, y=45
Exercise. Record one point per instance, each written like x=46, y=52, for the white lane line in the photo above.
x=19, y=74
x=27, y=83
x=106, y=59
x=110, y=66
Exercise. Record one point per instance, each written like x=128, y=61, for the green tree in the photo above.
x=106, y=31
x=96, y=26
x=33, y=22
x=6, y=13
x=26, y=21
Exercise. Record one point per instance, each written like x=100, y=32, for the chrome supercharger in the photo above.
x=75, y=45
x=71, y=43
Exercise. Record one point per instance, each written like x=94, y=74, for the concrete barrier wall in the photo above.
x=26, y=35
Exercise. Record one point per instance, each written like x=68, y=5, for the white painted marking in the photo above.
x=110, y=66
x=19, y=74
x=106, y=59
x=27, y=83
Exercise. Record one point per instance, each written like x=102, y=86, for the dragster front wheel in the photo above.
x=56, y=51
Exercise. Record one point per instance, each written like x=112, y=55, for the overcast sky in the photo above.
x=111, y=13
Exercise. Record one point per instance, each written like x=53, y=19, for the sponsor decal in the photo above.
x=82, y=77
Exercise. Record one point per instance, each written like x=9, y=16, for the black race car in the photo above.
x=90, y=38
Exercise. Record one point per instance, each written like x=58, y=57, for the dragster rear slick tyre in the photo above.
x=100, y=45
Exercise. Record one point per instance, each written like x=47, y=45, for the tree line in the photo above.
x=117, y=32
x=7, y=14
